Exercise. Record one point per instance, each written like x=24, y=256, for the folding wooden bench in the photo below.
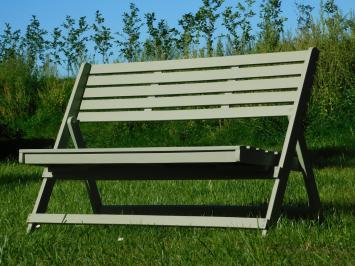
x=260, y=85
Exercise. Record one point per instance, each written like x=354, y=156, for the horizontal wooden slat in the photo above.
x=227, y=61
x=167, y=220
x=132, y=158
x=195, y=76
x=180, y=101
x=138, y=149
x=113, y=155
x=86, y=156
x=213, y=113
x=193, y=88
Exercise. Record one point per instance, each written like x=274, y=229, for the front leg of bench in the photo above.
x=279, y=188
x=42, y=198
x=68, y=126
x=277, y=196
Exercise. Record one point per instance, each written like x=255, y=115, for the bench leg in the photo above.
x=308, y=176
x=42, y=200
x=277, y=195
x=278, y=191
x=91, y=186
x=94, y=195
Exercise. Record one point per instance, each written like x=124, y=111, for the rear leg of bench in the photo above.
x=94, y=195
x=308, y=176
x=42, y=201
x=78, y=142
x=279, y=188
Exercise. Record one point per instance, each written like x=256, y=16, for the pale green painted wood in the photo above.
x=308, y=176
x=42, y=200
x=194, y=88
x=294, y=127
x=45, y=191
x=193, y=114
x=262, y=72
x=226, y=61
x=183, y=101
x=75, y=133
x=294, y=130
x=91, y=186
x=136, y=149
x=202, y=221
x=213, y=154
x=194, y=76
x=132, y=158
x=73, y=105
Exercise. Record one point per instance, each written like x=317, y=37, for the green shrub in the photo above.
x=18, y=94
x=53, y=97
x=32, y=101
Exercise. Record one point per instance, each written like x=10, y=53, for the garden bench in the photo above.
x=245, y=86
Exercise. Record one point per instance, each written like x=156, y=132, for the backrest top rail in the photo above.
x=226, y=61
x=196, y=76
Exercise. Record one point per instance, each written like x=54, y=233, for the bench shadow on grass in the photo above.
x=333, y=157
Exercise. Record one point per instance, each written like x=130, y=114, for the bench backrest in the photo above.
x=258, y=85
x=209, y=88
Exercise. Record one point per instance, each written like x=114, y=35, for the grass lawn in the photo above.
x=292, y=241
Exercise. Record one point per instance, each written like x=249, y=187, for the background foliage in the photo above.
x=34, y=89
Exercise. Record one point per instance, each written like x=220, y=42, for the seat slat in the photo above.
x=193, y=114
x=227, y=61
x=195, y=76
x=193, y=88
x=160, y=155
x=129, y=150
x=180, y=101
x=133, y=158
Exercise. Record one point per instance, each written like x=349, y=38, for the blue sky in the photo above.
x=52, y=13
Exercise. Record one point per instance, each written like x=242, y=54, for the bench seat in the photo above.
x=156, y=155
x=211, y=162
